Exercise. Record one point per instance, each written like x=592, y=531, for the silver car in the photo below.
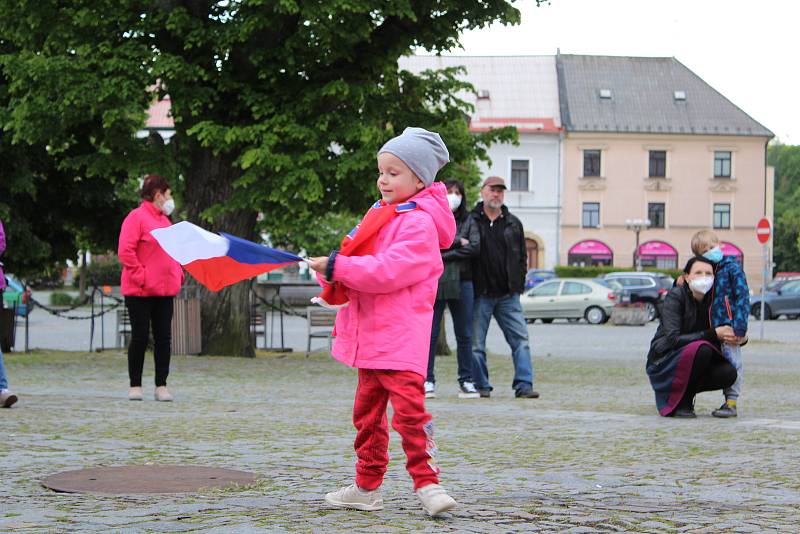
x=569, y=298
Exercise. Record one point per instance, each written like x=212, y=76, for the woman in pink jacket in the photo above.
x=388, y=270
x=150, y=281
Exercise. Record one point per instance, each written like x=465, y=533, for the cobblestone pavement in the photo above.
x=589, y=456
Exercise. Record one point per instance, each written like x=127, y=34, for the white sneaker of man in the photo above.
x=354, y=497
x=430, y=390
x=435, y=499
x=468, y=391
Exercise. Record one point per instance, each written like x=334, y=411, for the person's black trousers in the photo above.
x=144, y=311
x=710, y=372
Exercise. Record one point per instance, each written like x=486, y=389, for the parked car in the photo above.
x=782, y=299
x=535, y=277
x=568, y=298
x=649, y=288
x=15, y=294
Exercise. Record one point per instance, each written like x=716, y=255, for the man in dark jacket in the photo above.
x=499, y=278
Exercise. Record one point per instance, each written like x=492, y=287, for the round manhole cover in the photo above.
x=131, y=479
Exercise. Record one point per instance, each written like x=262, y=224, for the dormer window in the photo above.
x=680, y=95
x=605, y=94
x=483, y=94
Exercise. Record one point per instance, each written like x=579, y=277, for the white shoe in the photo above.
x=430, y=390
x=435, y=499
x=135, y=394
x=354, y=497
x=162, y=394
x=468, y=391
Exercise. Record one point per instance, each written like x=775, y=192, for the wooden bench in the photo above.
x=123, y=327
x=320, y=324
x=258, y=323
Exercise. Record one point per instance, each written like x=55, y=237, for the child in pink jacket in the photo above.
x=389, y=281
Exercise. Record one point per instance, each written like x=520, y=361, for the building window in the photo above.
x=722, y=164
x=658, y=163
x=655, y=212
x=591, y=163
x=520, y=170
x=722, y=215
x=591, y=215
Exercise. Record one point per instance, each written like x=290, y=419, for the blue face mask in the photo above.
x=714, y=255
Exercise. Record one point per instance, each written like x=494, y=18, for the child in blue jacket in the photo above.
x=730, y=306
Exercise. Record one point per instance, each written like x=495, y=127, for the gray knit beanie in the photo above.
x=424, y=152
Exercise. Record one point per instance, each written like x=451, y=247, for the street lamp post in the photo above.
x=637, y=225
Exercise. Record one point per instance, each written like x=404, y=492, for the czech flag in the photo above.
x=219, y=260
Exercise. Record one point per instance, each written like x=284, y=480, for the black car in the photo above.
x=649, y=288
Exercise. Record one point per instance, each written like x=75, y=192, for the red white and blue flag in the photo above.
x=219, y=260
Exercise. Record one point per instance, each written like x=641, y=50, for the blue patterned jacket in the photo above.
x=730, y=303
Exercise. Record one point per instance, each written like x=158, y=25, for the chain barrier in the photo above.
x=61, y=313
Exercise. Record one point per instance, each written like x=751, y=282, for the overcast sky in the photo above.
x=749, y=50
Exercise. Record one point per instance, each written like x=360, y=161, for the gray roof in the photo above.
x=643, y=98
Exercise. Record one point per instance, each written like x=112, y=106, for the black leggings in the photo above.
x=143, y=311
x=710, y=372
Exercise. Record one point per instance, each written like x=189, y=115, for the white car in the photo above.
x=569, y=298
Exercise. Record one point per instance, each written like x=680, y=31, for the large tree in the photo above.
x=279, y=107
x=786, y=243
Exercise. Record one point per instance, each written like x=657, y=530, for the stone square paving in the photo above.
x=590, y=456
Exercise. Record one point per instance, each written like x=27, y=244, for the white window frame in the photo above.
x=599, y=213
x=732, y=150
x=530, y=174
x=730, y=214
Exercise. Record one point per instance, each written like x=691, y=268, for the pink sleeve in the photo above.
x=128, y=240
x=408, y=260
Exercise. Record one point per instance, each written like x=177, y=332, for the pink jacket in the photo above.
x=387, y=323
x=147, y=271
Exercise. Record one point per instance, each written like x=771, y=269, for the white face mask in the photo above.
x=702, y=285
x=454, y=200
x=168, y=207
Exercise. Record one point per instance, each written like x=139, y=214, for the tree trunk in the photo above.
x=82, y=277
x=225, y=315
x=442, y=348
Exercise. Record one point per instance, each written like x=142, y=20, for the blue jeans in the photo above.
x=508, y=312
x=461, y=310
x=733, y=353
x=3, y=377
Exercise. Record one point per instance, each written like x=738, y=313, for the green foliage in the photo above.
x=104, y=273
x=575, y=271
x=58, y=298
x=786, y=240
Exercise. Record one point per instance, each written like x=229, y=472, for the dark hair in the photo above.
x=692, y=261
x=461, y=212
x=152, y=185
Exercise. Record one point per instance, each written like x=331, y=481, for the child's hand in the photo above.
x=725, y=334
x=318, y=264
x=464, y=242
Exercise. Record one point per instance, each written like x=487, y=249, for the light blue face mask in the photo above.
x=714, y=255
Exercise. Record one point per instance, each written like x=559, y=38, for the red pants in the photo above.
x=410, y=420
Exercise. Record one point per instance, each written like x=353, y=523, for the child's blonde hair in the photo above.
x=704, y=240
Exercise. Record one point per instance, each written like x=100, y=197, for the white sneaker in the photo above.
x=135, y=394
x=162, y=394
x=435, y=499
x=430, y=390
x=468, y=391
x=354, y=497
